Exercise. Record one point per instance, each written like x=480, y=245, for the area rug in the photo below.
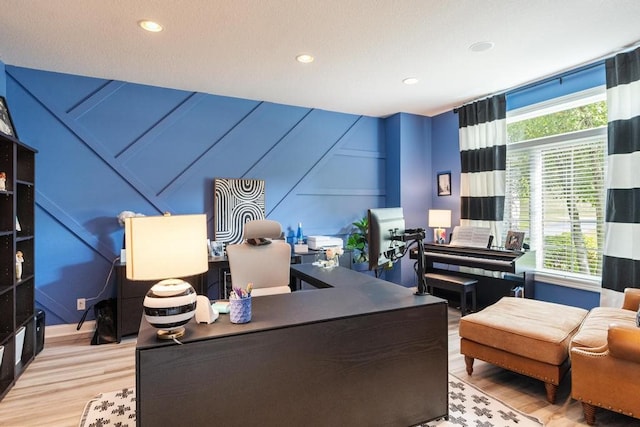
x=117, y=408
x=468, y=406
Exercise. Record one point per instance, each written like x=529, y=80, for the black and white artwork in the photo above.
x=6, y=125
x=444, y=184
x=236, y=201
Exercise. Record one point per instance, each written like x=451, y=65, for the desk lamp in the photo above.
x=439, y=220
x=162, y=248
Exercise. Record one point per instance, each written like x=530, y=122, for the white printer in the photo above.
x=320, y=242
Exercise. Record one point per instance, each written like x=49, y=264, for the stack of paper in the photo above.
x=475, y=237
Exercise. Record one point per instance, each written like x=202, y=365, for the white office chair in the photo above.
x=264, y=265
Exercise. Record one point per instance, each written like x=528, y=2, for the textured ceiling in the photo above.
x=363, y=48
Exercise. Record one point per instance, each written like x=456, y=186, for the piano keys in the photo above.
x=489, y=259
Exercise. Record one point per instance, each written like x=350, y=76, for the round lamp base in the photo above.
x=168, y=306
x=172, y=334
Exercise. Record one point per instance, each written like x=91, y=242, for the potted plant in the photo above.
x=357, y=241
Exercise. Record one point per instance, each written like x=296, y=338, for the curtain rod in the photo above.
x=557, y=75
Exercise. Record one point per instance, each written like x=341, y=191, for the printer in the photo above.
x=321, y=242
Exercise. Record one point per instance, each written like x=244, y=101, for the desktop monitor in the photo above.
x=384, y=225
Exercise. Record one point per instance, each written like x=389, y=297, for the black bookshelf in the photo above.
x=17, y=233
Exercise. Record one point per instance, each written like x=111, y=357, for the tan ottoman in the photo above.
x=522, y=335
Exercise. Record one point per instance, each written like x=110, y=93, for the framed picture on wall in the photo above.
x=444, y=184
x=236, y=201
x=6, y=125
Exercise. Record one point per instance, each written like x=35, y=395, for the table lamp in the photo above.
x=164, y=248
x=439, y=220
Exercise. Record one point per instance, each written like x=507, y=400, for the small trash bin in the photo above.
x=40, y=316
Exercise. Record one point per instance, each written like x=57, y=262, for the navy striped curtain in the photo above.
x=483, y=139
x=621, y=259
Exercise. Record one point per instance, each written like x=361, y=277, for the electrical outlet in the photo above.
x=81, y=303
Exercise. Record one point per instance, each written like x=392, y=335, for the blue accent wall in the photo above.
x=416, y=180
x=393, y=162
x=107, y=146
x=409, y=181
x=446, y=158
x=570, y=82
x=566, y=295
x=3, y=80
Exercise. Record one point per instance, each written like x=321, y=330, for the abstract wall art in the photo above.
x=235, y=202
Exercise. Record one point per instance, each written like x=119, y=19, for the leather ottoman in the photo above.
x=522, y=335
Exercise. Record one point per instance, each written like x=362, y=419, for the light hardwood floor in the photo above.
x=65, y=375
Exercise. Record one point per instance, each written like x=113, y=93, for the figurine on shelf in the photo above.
x=3, y=181
x=19, y=261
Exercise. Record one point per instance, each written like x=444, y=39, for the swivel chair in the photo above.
x=261, y=259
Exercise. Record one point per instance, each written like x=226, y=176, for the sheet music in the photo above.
x=476, y=237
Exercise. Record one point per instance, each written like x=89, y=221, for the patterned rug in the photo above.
x=468, y=407
x=471, y=407
x=117, y=408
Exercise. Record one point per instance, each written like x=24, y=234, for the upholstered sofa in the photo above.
x=605, y=359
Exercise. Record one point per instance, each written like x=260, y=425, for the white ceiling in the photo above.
x=363, y=48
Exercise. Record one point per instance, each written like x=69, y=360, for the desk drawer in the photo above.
x=136, y=289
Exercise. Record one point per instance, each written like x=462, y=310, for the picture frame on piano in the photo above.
x=444, y=183
x=514, y=240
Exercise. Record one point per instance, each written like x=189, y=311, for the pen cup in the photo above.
x=240, y=310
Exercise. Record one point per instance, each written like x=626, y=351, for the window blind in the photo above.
x=555, y=193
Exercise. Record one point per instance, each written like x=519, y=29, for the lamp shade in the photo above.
x=163, y=247
x=439, y=218
x=167, y=247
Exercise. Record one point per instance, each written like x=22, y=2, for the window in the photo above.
x=555, y=189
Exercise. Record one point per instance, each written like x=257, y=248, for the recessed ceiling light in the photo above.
x=305, y=58
x=151, y=26
x=410, y=80
x=481, y=46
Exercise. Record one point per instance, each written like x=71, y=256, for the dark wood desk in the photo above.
x=329, y=277
x=363, y=352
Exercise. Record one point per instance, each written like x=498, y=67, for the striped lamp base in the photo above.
x=169, y=305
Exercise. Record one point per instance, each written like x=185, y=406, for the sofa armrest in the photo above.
x=631, y=299
x=601, y=351
x=624, y=342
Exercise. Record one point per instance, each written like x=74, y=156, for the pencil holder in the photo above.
x=240, y=310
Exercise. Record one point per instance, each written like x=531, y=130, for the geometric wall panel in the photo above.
x=105, y=146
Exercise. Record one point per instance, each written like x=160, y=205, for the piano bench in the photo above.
x=462, y=285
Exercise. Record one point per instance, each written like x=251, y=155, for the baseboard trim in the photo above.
x=69, y=332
